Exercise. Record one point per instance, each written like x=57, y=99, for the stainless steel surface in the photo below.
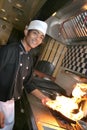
x=19, y=12
x=42, y=115
x=68, y=12
x=47, y=128
x=81, y=125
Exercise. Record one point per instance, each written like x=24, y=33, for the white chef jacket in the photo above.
x=8, y=109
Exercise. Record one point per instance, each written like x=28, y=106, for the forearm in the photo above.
x=38, y=94
x=2, y=119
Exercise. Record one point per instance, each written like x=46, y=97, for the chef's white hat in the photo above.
x=38, y=25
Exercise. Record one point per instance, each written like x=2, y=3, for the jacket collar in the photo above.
x=22, y=48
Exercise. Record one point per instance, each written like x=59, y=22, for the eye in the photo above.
x=42, y=38
x=35, y=32
x=38, y=34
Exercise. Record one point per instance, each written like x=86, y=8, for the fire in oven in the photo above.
x=71, y=112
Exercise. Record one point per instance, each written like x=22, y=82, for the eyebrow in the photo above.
x=39, y=33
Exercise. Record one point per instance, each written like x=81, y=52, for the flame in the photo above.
x=67, y=105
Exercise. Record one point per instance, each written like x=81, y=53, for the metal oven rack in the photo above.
x=75, y=28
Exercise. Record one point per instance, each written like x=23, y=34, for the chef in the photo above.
x=16, y=67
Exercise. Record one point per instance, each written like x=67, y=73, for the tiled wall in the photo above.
x=76, y=59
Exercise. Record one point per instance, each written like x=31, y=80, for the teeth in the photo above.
x=33, y=41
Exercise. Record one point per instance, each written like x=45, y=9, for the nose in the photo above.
x=38, y=38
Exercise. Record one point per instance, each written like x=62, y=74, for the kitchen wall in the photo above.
x=72, y=58
x=75, y=59
x=66, y=80
x=75, y=62
x=53, y=52
x=74, y=32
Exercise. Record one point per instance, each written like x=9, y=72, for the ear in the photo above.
x=25, y=31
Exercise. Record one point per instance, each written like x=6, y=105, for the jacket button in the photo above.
x=21, y=53
x=22, y=87
x=27, y=68
x=28, y=58
x=20, y=64
x=18, y=97
x=23, y=78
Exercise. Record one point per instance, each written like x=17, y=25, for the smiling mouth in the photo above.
x=34, y=42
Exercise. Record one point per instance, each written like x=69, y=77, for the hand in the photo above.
x=2, y=119
x=40, y=96
x=44, y=100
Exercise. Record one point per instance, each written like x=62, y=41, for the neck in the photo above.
x=27, y=47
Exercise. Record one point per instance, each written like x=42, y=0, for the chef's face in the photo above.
x=33, y=38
